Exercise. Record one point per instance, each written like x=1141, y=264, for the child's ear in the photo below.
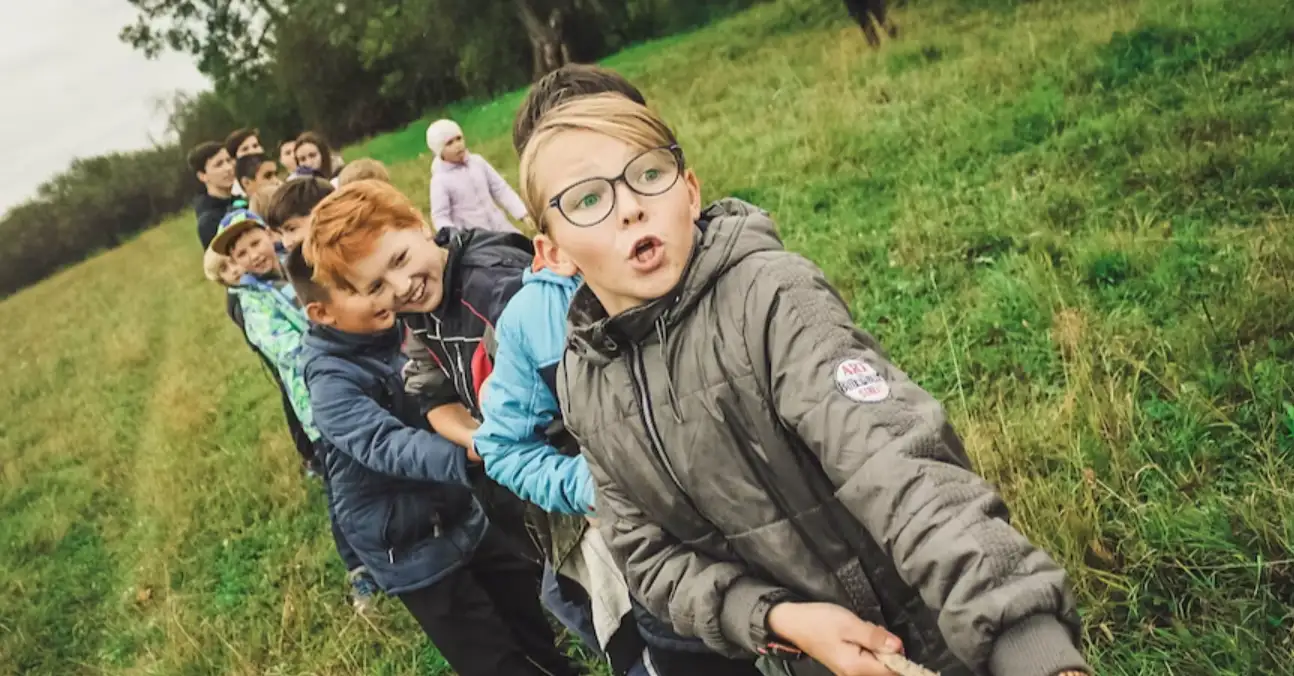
x=553, y=258
x=693, y=192
x=317, y=313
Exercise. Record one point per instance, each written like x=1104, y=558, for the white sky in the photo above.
x=72, y=89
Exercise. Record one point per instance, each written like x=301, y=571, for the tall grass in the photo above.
x=1068, y=220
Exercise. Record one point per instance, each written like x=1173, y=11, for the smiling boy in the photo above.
x=405, y=494
x=449, y=288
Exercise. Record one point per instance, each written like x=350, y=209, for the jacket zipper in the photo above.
x=386, y=527
x=638, y=377
x=462, y=377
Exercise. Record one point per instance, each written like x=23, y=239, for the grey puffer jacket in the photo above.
x=750, y=445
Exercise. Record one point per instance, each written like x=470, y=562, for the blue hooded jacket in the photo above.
x=519, y=402
x=401, y=492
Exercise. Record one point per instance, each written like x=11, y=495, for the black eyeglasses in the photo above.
x=590, y=201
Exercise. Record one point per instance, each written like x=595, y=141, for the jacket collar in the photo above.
x=728, y=232
x=329, y=340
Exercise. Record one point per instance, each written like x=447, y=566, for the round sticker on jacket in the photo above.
x=857, y=380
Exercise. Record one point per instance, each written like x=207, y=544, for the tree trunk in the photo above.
x=547, y=44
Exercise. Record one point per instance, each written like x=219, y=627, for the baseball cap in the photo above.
x=231, y=226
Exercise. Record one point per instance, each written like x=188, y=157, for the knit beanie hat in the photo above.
x=439, y=133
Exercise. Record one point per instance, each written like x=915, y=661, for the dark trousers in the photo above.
x=680, y=663
x=485, y=618
x=865, y=12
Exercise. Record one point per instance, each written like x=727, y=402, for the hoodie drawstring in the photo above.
x=661, y=337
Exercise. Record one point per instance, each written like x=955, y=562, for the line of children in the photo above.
x=409, y=497
x=216, y=171
x=767, y=482
x=466, y=191
x=274, y=325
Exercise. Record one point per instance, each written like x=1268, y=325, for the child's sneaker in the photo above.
x=313, y=468
x=363, y=590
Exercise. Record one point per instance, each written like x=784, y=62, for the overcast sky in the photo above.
x=72, y=89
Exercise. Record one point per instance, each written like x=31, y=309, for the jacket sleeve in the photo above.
x=441, y=204
x=503, y=193
x=357, y=426
x=424, y=379
x=898, y=467
x=719, y=602
x=517, y=407
x=208, y=224
x=280, y=342
x=266, y=331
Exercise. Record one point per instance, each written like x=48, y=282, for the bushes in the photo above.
x=96, y=204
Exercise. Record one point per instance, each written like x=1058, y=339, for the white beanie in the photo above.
x=439, y=133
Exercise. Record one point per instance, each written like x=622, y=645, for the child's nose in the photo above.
x=629, y=205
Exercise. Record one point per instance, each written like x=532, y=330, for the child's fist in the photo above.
x=835, y=637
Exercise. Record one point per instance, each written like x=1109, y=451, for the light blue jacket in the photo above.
x=519, y=401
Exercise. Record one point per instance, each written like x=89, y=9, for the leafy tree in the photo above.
x=229, y=39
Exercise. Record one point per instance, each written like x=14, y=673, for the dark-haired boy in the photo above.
x=256, y=171
x=288, y=212
x=215, y=171
x=567, y=82
x=403, y=498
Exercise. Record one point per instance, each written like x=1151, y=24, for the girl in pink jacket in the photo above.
x=466, y=192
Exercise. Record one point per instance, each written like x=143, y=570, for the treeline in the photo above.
x=346, y=68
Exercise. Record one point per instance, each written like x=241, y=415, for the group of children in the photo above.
x=650, y=419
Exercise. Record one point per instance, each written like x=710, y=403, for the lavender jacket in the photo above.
x=469, y=195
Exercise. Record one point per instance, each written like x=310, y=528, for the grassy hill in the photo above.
x=1069, y=220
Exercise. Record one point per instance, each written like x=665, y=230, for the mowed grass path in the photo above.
x=1068, y=220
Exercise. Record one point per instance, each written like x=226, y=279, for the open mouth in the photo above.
x=647, y=254
x=417, y=294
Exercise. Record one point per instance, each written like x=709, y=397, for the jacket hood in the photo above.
x=729, y=231
x=327, y=340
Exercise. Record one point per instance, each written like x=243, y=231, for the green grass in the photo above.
x=1069, y=220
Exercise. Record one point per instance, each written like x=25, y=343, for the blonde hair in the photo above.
x=611, y=115
x=212, y=263
x=346, y=225
x=363, y=169
x=259, y=202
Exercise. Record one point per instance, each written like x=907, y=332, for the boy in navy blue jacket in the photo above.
x=403, y=498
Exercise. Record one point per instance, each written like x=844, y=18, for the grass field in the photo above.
x=1069, y=220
